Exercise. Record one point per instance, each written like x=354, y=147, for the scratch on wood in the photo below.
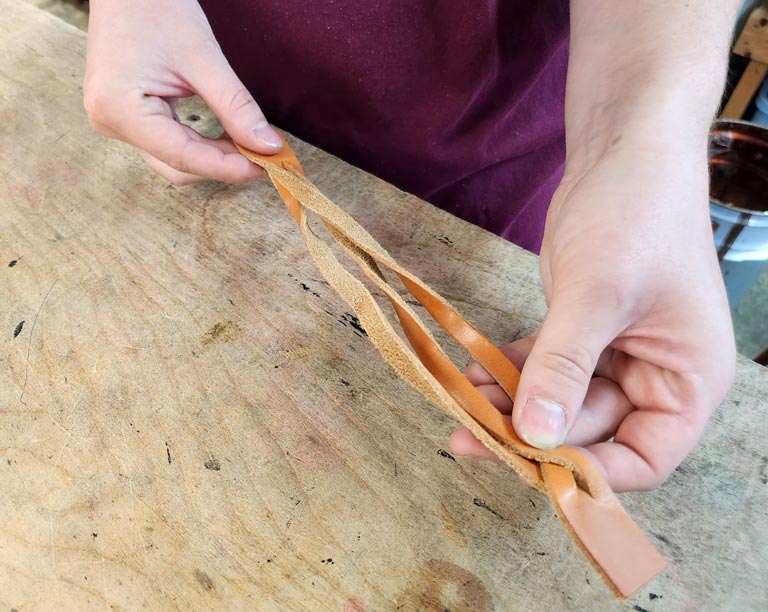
x=481, y=504
x=29, y=346
x=62, y=136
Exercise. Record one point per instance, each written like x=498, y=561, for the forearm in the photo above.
x=642, y=71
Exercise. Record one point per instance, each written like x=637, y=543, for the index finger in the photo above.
x=182, y=148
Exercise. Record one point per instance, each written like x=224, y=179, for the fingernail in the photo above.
x=542, y=423
x=266, y=135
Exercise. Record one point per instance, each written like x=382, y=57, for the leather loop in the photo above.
x=610, y=540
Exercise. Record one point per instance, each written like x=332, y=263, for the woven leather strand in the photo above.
x=610, y=540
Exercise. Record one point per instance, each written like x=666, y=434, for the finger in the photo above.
x=604, y=365
x=184, y=178
x=182, y=148
x=652, y=440
x=218, y=85
x=463, y=443
x=557, y=373
x=496, y=395
x=647, y=447
x=516, y=352
x=605, y=408
x=164, y=170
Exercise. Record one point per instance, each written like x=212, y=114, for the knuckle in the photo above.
x=647, y=484
x=240, y=99
x=173, y=176
x=653, y=479
x=180, y=161
x=95, y=108
x=649, y=472
x=575, y=364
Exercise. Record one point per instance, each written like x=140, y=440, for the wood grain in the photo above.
x=190, y=420
x=753, y=38
x=752, y=43
x=745, y=90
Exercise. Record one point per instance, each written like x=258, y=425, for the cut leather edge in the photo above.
x=610, y=540
x=588, y=516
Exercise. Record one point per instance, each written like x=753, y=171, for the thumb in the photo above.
x=558, y=370
x=218, y=85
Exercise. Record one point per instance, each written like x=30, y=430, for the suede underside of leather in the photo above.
x=608, y=537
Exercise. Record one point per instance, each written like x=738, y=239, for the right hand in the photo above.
x=145, y=54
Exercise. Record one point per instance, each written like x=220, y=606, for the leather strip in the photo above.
x=592, y=514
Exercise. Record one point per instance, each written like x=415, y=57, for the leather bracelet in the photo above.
x=610, y=540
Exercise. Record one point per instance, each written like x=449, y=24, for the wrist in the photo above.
x=657, y=124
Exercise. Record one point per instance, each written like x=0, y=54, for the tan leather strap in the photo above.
x=609, y=538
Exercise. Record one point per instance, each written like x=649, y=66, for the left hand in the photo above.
x=637, y=344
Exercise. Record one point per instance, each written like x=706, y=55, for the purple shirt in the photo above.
x=460, y=103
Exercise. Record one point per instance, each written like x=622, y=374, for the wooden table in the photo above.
x=189, y=418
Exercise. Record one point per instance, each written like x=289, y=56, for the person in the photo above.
x=578, y=127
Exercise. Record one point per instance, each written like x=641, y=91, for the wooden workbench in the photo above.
x=190, y=419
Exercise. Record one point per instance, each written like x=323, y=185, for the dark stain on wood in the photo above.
x=354, y=322
x=672, y=550
x=441, y=586
x=212, y=464
x=307, y=289
x=223, y=331
x=204, y=580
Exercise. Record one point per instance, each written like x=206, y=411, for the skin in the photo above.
x=637, y=345
x=628, y=265
x=131, y=89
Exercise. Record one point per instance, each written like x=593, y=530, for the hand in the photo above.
x=637, y=343
x=145, y=54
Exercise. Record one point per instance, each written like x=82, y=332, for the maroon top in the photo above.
x=460, y=103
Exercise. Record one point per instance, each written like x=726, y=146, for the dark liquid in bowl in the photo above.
x=739, y=170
